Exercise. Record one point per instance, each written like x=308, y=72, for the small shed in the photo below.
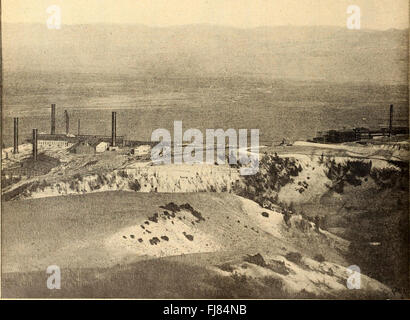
x=83, y=147
x=141, y=150
x=102, y=146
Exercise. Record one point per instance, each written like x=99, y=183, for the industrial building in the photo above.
x=141, y=150
x=102, y=146
x=89, y=146
x=357, y=134
x=83, y=147
x=55, y=140
x=80, y=144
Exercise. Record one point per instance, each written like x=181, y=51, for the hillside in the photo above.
x=300, y=53
x=226, y=246
x=310, y=209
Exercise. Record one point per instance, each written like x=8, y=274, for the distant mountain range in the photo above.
x=301, y=53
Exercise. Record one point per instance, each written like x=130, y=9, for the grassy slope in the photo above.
x=72, y=232
x=59, y=227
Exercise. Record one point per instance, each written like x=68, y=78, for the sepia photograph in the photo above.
x=205, y=149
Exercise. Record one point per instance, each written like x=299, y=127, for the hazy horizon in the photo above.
x=247, y=14
x=208, y=25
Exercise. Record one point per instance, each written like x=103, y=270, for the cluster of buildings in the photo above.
x=90, y=144
x=357, y=134
x=79, y=144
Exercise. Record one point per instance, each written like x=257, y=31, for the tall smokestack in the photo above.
x=53, y=119
x=114, y=129
x=16, y=135
x=391, y=121
x=35, y=144
x=67, y=122
x=78, y=128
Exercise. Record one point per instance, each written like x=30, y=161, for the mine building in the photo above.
x=102, y=146
x=357, y=134
x=141, y=150
x=92, y=144
x=83, y=147
x=55, y=140
x=80, y=143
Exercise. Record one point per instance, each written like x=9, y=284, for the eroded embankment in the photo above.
x=362, y=200
x=303, y=176
x=166, y=178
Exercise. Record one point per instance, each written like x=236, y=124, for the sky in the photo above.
x=375, y=14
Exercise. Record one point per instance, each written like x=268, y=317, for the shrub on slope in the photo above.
x=350, y=172
x=274, y=173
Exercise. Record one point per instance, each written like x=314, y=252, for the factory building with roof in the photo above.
x=55, y=140
x=79, y=143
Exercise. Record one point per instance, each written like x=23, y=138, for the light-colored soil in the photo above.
x=79, y=233
x=97, y=229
